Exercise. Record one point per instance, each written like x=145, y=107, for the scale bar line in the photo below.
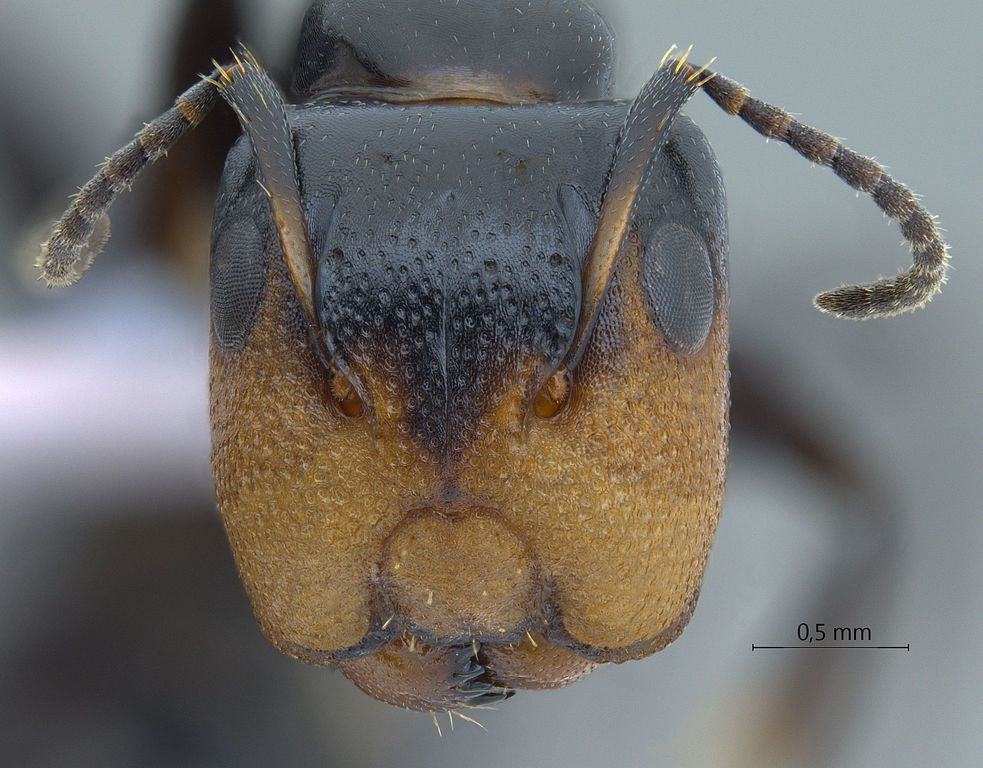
x=755, y=647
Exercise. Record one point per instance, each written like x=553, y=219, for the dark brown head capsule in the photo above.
x=469, y=340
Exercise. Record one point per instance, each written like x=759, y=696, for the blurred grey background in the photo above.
x=854, y=494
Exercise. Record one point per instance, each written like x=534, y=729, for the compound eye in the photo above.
x=678, y=282
x=554, y=396
x=238, y=275
x=343, y=395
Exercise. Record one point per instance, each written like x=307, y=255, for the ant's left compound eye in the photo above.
x=678, y=281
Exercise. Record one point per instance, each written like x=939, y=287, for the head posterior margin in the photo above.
x=82, y=232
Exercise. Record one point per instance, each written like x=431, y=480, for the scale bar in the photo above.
x=755, y=647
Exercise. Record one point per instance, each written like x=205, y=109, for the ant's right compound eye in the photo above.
x=238, y=275
x=679, y=287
